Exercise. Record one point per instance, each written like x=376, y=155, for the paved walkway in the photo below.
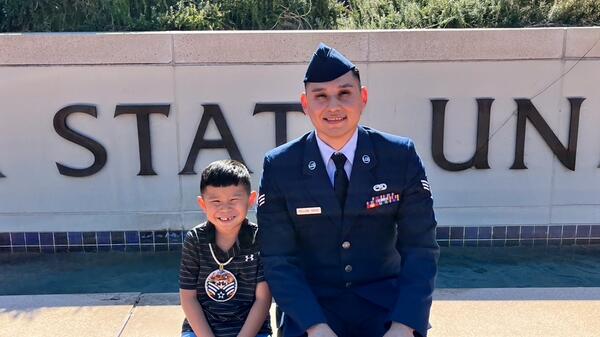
x=531, y=312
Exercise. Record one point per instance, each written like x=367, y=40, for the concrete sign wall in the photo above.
x=96, y=129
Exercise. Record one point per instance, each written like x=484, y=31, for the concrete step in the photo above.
x=506, y=312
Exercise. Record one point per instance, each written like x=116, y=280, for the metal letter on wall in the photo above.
x=527, y=111
x=212, y=112
x=142, y=113
x=280, y=110
x=479, y=160
x=61, y=127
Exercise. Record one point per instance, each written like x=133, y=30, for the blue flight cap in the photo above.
x=326, y=65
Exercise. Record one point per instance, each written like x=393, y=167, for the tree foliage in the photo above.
x=153, y=15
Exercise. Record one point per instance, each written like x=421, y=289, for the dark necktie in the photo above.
x=340, y=179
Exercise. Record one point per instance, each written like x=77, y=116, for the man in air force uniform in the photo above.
x=346, y=220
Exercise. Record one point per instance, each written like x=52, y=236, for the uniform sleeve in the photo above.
x=278, y=252
x=190, y=262
x=417, y=246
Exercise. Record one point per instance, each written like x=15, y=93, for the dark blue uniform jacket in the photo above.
x=381, y=247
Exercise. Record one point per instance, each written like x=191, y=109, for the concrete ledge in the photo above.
x=507, y=312
x=155, y=315
x=518, y=294
x=466, y=44
x=581, y=41
x=514, y=318
x=85, y=48
x=270, y=47
x=23, y=303
x=264, y=47
x=94, y=315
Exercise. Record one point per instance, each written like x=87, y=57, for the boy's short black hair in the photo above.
x=223, y=173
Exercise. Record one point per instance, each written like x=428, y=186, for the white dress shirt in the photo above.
x=348, y=151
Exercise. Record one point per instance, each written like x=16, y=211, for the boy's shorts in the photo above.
x=191, y=334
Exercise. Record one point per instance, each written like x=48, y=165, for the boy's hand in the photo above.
x=193, y=312
x=259, y=311
x=320, y=330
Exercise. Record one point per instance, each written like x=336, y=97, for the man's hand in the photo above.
x=399, y=330
x=320, y=330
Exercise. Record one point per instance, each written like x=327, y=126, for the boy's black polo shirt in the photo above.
x=225, y=318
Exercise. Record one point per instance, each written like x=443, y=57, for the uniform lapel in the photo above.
x=317, y=182
x=362, y=179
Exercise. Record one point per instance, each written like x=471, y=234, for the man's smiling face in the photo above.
x=334, y=108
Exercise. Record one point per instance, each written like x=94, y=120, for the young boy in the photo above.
x=222, y=287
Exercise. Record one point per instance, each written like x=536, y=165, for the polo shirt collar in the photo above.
x=246, y=236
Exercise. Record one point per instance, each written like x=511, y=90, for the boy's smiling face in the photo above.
x=226, y=207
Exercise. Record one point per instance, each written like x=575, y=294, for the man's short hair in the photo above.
x=223, y=173
x=356, y=75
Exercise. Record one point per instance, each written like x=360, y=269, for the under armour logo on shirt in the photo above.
x=250, y=257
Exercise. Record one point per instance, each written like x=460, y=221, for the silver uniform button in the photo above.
x=346, y=244
x=348, y=268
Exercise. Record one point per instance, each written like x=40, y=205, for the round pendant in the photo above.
x=220, y=285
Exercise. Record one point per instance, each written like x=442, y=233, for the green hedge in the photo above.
x=150, y=15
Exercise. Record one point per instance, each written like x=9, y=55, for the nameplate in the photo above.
x=308, y=210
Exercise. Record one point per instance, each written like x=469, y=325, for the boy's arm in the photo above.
x=194, y=314
x=258, y=312
x=188, y=278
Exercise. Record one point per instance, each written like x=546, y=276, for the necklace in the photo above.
x=221, y=284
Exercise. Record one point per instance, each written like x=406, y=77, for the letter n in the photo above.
x=527, y=111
